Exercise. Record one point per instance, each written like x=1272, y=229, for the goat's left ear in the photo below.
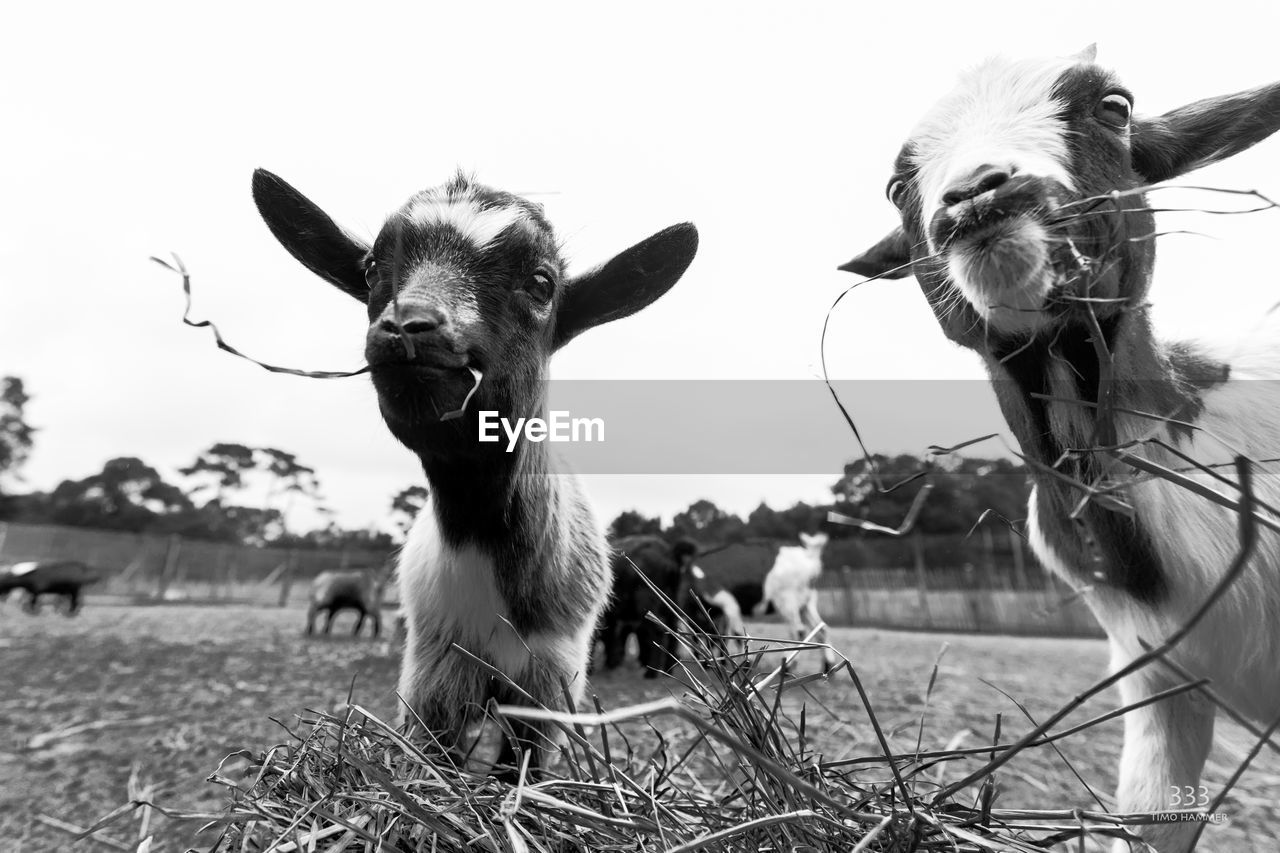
x=627, y=283
x=1204, y=132
x=890, y=258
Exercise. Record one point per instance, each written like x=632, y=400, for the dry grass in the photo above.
x=215, y=676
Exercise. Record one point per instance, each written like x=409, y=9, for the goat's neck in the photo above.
x=1049, y=391
x=1053, y=390
x=493, y=499
x=528, y=525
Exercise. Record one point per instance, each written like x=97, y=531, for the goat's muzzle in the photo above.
x=418, y=337
x=976, y=219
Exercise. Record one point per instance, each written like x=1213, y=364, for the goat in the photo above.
x=788, y=588
x=468, y=297
x=642, y=566
x=48, y=577
x=356, y=590
x=649, y=572
x=1017, y=265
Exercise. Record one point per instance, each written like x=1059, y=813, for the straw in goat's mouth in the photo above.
x=476, y=376
x=180, y=268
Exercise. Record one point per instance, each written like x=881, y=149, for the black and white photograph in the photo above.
x=564, y=426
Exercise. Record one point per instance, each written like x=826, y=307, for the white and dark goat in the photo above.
x=468, y=298
x=1050, y=289
x=335, y=591
x=789, y=588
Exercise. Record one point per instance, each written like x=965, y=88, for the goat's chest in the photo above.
x=450, y=596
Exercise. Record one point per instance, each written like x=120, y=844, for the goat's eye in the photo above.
x=371, y=274
x=1114, y=110
x=895, y=192
x=540, y=286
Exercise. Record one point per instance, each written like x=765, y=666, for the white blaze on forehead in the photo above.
x=1002, y=113
x=478, y=224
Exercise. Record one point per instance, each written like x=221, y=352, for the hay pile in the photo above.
x=748, y=780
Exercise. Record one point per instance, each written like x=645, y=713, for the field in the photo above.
x=177, y=688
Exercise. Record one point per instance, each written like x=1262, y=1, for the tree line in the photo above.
x=880, y=490
x=211, y=500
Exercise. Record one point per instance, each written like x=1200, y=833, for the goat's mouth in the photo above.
x=420, y=359
x=1002, y=265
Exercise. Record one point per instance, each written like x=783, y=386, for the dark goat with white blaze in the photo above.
x=332, y=592
x=507, y=560
x=1019, y=268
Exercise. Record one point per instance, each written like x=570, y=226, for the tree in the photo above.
x=127, y=494
x=707, y=523
x=631, y=523
x=290, y=477
x=226, y=464
x=16, y=435
x=406, y=505
x=767, y=523
x=963, y=489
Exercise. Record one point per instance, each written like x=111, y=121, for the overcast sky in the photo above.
x=132, y=129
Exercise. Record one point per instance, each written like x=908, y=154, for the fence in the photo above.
x=986, y=583
x=896, y=598
x=1005, y=593
x=150, y=566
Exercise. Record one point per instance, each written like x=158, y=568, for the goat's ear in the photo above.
x=890, y=258
x=1205, y=132
x=310, y=235
x=1087, y=56
x=627, y=283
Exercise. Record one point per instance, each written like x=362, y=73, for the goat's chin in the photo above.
x=1005, y=274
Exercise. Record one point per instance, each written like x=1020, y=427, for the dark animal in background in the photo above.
x=468, y=297
x=1051, y=290
x=672, y=570
x=335, y=591
x=49, y=577
x=634, y=560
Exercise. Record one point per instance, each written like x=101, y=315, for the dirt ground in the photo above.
x=181, y=687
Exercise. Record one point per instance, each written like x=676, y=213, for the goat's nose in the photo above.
x=985, y=177
x=415, y=320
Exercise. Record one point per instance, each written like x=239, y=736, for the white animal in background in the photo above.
x=994, y=189
x=789, y=587
x=468, y=297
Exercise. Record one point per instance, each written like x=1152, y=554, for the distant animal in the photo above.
x=717, y=610
x=334, y=591
x=468, y=297
x=789, y=589
x=49, y=577
x=1024, y=217
x=669, y=568
x=633, y=560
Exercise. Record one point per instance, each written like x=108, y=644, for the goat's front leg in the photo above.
x=814, y=619
x=1165, y=747
x=526, y=738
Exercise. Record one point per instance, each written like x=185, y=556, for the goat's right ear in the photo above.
x=890, y=258
x=310, y=235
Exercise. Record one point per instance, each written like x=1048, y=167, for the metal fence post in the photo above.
x=170, y=565
x=286, y=578
x=846, y=575
x=1019, y=559
x=922, y=580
